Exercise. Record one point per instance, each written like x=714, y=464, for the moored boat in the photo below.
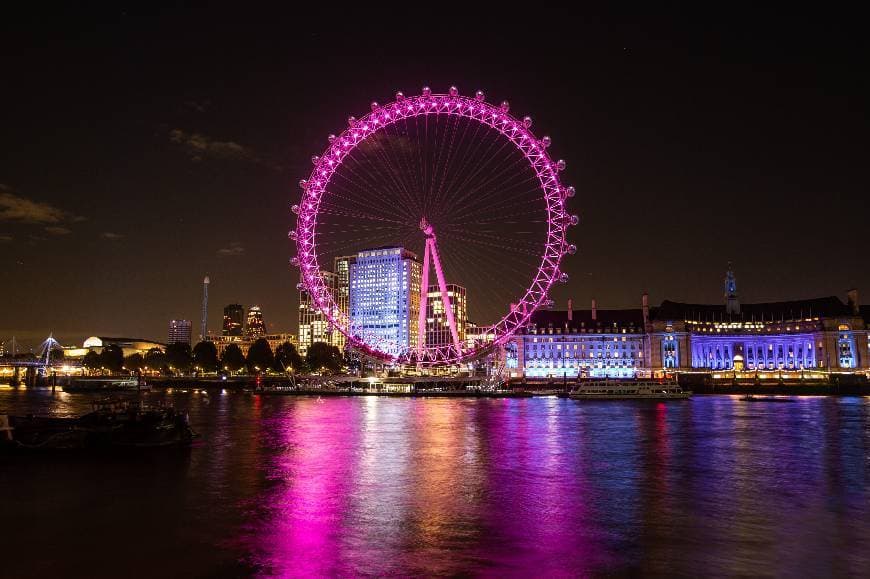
x=629, y=390
x=106, y=385
x=111, y=424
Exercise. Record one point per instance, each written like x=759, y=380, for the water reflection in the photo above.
x=284, y=486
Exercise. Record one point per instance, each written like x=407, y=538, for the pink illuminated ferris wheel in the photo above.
x=435, y=181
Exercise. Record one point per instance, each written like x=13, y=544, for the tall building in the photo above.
x=313, y=325
x=234, y=318
x=203, y=323
x=384, y=298
x=254, y=326
x=437, y=328
x=179, y=331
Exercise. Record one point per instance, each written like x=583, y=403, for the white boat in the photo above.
x=629, y=390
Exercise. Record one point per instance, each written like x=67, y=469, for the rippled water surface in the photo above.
x=290, y=486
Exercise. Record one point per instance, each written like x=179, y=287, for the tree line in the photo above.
x=180, y=357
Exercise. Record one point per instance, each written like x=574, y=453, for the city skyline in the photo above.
x=684, y=158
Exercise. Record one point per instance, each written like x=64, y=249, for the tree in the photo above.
x=287, y=359
x=112, y=357
x=91, y=361
x=205, y=356
x=321, y=356
x=233, y=359
x=179, y=356
x=134, y=362
x=260, y=357
x=155, y=359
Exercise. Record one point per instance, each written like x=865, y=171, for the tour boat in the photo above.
x=628, y=390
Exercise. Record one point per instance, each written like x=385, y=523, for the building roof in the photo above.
x=830, y=306
x=583, y=318
x=91, y=341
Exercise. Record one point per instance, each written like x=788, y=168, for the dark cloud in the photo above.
x=233, y=249
x=200, y=147
x=15, y=208
x=198, y=106
x=58, y=230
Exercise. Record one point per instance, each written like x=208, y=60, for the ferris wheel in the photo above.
x=444, y=182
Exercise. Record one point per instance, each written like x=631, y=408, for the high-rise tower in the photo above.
x=179, y=331
x=254, y=326
x=384, y=298
x=234, y=320
x=203, y=324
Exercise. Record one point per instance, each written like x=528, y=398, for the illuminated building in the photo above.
x=437, y=327
x=384, y=298
x=234, y=317
x=276, y=340
x=179, y=332
x=244, y=343
x=593, y=343
x=254, y=326
x=804, y=337
x=313, y=325
x=128, y=345
x=221, y=343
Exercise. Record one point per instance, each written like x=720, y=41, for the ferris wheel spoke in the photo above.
x=398, y=167
x=358, y=215
x=439, y=191
x=491, y=187
x=464, y=159
x=362, y=201
x=399, y=187
x=480, y=284
x=508, y=202
x=482, y=167
x=359, y=193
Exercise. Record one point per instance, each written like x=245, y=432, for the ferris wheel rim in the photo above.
x=518, y=132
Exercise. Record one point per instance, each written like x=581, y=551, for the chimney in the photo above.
x=644, y=300
x=852, y=296
x=594, y=310
x=570, y=309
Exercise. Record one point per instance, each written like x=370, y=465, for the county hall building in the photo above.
x=799, y=338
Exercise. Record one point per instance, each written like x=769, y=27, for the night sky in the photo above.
x=142, y=150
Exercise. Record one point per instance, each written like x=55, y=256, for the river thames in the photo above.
x=302, y=486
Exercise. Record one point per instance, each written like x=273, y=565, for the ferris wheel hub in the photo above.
x=426, y=227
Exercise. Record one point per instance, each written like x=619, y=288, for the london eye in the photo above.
x=460, y=188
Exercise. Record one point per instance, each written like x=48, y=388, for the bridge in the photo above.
x=42, y=365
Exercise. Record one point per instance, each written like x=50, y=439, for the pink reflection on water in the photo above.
x=313, y=474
